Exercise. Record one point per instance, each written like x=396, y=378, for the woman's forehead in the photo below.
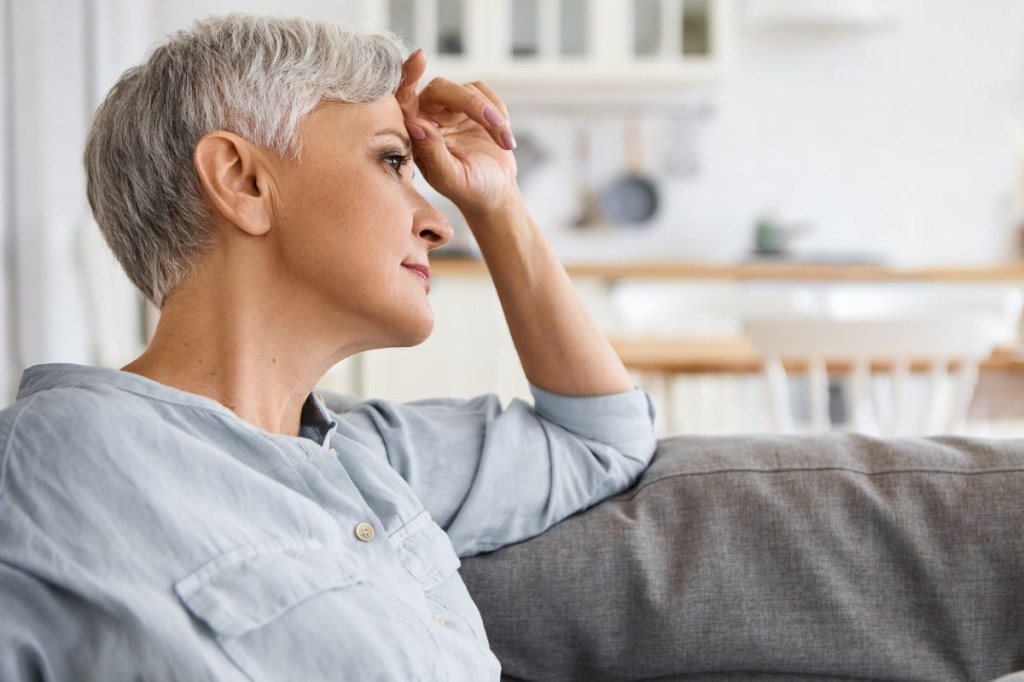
x=357, y=118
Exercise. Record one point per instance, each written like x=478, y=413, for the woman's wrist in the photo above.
x=498, y=213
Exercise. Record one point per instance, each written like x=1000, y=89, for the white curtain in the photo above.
x=7, y=362
x=65, y=299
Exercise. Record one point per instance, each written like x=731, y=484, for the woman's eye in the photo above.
x=397, y=162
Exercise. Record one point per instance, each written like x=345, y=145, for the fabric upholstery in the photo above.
x=830, y=557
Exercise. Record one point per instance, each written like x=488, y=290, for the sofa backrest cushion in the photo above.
x=812, y=557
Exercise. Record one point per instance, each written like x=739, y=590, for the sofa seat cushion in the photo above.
x=828, y=557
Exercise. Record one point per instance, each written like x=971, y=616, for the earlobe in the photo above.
x=232, y=175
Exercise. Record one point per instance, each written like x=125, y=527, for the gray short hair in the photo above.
x=254, y=76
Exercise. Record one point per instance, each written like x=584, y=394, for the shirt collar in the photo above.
x=315, y=422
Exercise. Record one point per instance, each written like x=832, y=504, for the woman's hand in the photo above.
x=463, y=145
x=461, y=139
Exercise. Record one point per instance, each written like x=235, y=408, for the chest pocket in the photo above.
x=296, y=610
x=426, y=553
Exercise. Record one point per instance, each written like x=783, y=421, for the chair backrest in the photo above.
x=873, y=301
x=683, y=308
x=901, y=333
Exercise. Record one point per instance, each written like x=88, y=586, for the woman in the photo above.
x=198, y=514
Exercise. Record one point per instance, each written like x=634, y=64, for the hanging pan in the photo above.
x=632, y=198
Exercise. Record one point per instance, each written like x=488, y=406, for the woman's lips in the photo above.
x=421, y=270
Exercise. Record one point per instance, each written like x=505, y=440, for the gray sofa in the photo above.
x=833, y=557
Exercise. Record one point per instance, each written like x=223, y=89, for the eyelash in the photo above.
x=396, y=161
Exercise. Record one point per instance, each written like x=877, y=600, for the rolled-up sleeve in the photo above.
x=491, y=476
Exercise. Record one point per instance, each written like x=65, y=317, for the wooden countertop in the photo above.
x=695, y=270
x=737, y=355
x=732, y=355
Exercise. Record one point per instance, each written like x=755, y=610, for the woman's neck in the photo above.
x=258, y=359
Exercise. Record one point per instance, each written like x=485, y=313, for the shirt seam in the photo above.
x=619, y=445
x=7, y=443
x=641, y=433
x=126, y=389
x=311, y=493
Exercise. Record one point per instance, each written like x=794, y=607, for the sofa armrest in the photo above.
x=832, y=557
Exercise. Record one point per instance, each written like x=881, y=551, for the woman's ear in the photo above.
x=235, y=179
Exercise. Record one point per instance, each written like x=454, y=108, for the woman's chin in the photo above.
x=414, y=331
x=397, y=328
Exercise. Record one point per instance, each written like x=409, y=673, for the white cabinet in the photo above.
x=558, y=44
x=469, y=353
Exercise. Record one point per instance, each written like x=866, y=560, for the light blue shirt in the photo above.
x=147, y=533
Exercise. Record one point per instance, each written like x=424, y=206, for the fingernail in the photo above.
x=493, y=117
x=415, y=132
x=508, y=139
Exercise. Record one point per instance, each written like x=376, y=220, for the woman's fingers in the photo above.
x=492, y=95
x=442, y=97
x=508, y=141
x=413, y=69
x=442, y=100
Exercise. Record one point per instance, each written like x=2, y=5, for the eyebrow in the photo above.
x=401, y=135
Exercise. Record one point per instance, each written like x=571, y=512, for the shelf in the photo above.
x=683, y=270
x=553, y=45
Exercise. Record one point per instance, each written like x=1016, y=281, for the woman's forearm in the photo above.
x=561, y=347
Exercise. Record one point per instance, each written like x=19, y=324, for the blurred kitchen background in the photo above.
x=701, y=166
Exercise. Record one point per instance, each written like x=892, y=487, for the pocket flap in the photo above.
x=248, y=587
x=425, y=551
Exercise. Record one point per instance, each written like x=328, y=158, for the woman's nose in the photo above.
x=431, y=225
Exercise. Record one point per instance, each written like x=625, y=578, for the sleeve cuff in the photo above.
x=612, y=418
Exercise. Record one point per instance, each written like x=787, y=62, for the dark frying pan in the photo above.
x=632, y=198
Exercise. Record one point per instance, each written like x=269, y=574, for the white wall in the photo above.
x=891, y=140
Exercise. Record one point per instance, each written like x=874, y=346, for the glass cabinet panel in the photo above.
x=402, y=19
x=525, y=28
x=450, y=23
x=538, y=45
x=672, y=28
x=696, y=28
x=573, y=38
x=646, y=27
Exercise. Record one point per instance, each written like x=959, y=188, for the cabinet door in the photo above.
x=565, y=43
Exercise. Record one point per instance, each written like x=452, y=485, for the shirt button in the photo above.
x=364, y=532
x=334, y=453
x=441, y=620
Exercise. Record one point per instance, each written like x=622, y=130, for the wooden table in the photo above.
x=737, y=355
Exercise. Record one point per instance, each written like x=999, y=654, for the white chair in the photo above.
x=671, y=309
x=660, y=310
x=898, y=329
